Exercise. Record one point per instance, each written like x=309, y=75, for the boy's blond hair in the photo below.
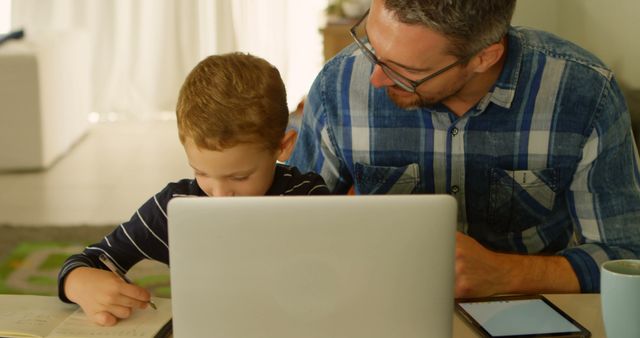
x=231, y=99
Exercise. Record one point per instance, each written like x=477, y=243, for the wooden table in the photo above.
x=584, y=308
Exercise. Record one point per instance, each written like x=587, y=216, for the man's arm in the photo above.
x=314, y=149
x=604, y=203
x=482, y=272
x=604, y=196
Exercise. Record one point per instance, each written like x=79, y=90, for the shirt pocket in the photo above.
x=386, y=180
x=520, y=199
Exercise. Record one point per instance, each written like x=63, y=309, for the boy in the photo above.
x=232, y=114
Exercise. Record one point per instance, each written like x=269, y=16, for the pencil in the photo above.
x=106, y=261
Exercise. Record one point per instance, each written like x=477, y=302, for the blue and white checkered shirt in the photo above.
x=545, y=163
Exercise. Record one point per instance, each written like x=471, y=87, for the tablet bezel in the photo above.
x=478, y=328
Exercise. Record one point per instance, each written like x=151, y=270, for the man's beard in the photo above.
x=412, y=101
x=407, y=100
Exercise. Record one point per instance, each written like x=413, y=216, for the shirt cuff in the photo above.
x=585, y=265
x=66, y=269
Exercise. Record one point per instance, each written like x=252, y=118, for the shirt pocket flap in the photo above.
x=386, y=180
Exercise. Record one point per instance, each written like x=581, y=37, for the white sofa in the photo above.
x=44, y=98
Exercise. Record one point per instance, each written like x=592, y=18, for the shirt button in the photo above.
x=455, y=189
x=454, y=131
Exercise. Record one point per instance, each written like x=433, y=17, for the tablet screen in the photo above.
x=504, y=318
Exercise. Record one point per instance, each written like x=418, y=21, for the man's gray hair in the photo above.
x=470, y=25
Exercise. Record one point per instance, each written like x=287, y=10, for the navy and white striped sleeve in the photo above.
x=144, y=236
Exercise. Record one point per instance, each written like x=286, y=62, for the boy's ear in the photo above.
x=287, y=144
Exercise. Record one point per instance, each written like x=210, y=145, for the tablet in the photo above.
x=518, y=316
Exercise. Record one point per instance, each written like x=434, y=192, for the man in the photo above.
x=529, y=133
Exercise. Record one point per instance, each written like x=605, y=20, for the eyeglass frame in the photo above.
x=396, y=77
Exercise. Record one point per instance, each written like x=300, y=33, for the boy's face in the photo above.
x=243, y=170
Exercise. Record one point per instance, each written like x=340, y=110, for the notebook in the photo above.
x=313, y=266
x=46, y=316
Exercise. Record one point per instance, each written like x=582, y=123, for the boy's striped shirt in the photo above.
x=144, y=236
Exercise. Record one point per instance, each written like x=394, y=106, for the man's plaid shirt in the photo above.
x=544, y=163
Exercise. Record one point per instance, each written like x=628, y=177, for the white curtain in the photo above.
x=142, y=49
x=5, y=16
x=286, y=33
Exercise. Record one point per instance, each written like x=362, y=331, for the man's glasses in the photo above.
x=399, y=79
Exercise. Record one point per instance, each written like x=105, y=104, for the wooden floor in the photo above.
x=102, y=180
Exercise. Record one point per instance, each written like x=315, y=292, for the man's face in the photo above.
x=414, y=52
x=243, y=170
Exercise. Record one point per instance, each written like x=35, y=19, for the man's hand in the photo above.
x=103, y=296
x=482, y=272
x=479, y=271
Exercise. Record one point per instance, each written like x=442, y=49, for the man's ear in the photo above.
x=488, y=57
x=287, y=144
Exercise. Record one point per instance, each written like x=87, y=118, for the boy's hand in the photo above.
x=103, y=296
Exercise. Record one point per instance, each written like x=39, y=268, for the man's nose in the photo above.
x=379, y=78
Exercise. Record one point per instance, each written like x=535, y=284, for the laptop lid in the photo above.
x=313, y=266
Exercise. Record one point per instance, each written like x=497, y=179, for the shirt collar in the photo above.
x=504, y=90
x=280, y=181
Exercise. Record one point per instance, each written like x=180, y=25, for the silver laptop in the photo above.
x=312, y=266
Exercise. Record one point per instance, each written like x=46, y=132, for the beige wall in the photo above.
x=609, y=29
x=541, y=14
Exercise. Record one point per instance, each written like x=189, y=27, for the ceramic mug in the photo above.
x=620, y=295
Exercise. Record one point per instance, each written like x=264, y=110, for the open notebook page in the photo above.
x=143, y=323
x=32, y=315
